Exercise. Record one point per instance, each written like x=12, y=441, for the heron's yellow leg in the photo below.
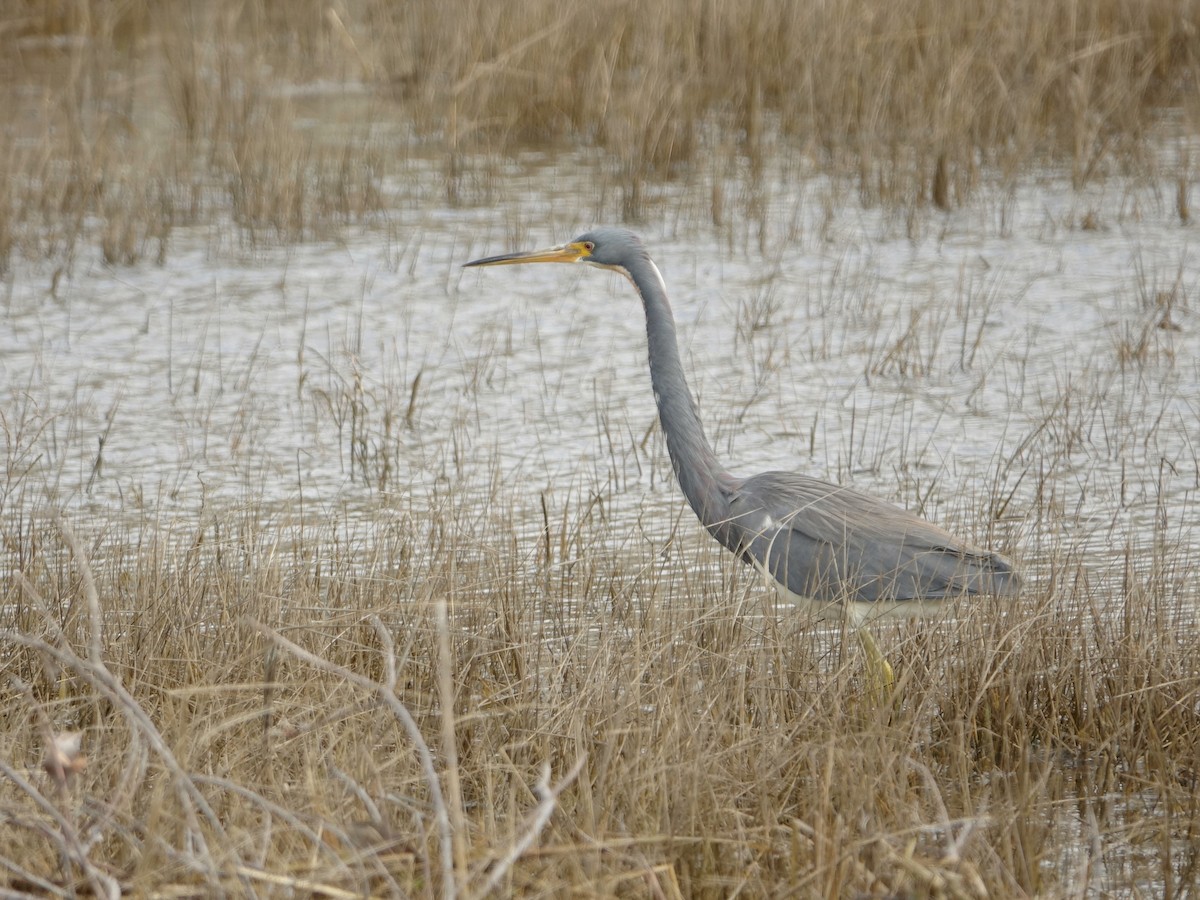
x=881, y=680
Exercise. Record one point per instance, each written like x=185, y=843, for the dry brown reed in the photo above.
x=431, y=711
x=486, y=691
x=146, y=115
x=483, y=691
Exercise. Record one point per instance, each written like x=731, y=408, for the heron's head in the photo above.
x=608, y=248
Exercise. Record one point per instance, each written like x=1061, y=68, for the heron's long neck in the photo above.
x=692, y=456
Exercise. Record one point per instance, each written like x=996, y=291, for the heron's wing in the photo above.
x=827, y=542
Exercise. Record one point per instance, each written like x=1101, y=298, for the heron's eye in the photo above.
x=589, y=246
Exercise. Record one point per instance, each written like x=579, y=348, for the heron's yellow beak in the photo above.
x=564, y=253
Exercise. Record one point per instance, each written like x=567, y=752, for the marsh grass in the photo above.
x=473, y=689
x=136, y=117
x=255, y=713
x=456, y=683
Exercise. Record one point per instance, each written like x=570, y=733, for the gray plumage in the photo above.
x=819, y=541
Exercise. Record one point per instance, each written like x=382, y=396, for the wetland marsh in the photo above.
x=362, y=574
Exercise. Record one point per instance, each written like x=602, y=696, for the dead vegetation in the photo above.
x=476, y=688
x=457, y=682
x=290, y=119
x=399, y=717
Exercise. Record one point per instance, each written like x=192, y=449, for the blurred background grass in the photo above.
x=129, y=118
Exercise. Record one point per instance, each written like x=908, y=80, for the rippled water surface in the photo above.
x=1025, y=370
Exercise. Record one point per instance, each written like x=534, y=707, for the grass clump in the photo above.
x=293, y=119
x=402, y=717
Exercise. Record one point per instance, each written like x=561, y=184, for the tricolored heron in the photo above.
x=849, y=553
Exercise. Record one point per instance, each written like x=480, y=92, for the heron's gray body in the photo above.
x=836, y=547
x=830, y=544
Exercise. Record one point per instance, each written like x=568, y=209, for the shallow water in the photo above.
x=1005, y=371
